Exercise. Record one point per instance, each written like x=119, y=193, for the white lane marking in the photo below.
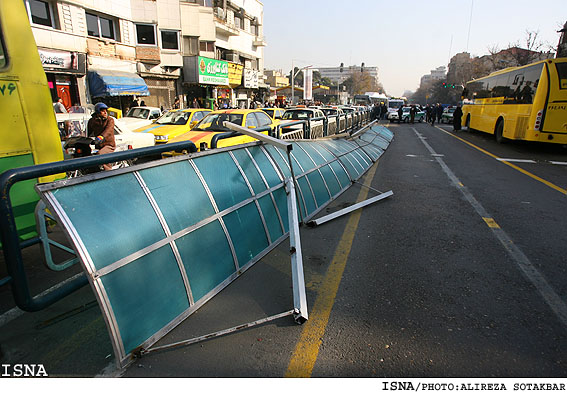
x=530, y=272
x=559, y=163
x=517, y=160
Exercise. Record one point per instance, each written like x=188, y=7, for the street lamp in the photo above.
x=293, y=74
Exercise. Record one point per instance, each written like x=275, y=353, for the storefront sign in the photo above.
x=234, y=74
x=250, y=78
x=57, y=59
x=213, y=72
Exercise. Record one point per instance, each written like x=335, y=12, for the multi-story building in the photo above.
x=435, y=75
x=112, y=50
x=276, y=79
x=339, y=74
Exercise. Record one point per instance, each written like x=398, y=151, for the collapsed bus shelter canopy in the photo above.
x=162, y=257
x=104, y=83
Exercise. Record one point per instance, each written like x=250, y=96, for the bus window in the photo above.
x=562, y=73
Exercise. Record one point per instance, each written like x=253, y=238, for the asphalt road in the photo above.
x=459, y=274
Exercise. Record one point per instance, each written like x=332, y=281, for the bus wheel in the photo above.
x=499, y=131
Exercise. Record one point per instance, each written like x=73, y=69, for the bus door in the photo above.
x=556, y=111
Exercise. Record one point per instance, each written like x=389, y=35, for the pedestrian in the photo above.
x=176, y=103
x=375, y=114
x=383, y=111
x=101, y=127
x=143, y=103
x=413, y=111
x=400, y=114
x=457, y=115
x=59, y=107
x=439, y=111
x=433, y=115
x=134, y=103
x=195, y=103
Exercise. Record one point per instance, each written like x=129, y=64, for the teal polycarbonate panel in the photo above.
x=105, y=212
x=372, y=151
x=384, y=132
x=362, y=163
x=179, y=194
x=281, y=201
x=318, y=185
x=350, y=166
x=145, y=296
x=314, y=153
x=331, y=180
x=206, y=257
x=271, y=217
x=300, y=155
x=247, y=232
x=250, y=171
x=307, y=195
x=223, y=179
x=363, y=158
x=341, y=173
x=280, y=161
x=265, y=165
x=323, y=151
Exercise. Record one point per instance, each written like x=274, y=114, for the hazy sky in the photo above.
x=405, y=39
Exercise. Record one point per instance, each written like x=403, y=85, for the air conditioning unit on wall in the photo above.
x=219, y=12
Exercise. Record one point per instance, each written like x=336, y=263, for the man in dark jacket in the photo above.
x=101, y=127
x=400, y=114
x=457, y=115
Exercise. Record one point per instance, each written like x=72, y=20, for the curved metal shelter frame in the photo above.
x=171, y=234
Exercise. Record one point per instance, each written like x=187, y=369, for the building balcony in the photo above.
x=259, y=42
x=224, y=28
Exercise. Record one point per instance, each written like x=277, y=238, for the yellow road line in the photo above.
x=491, y=222
x=303, y=359
x=533, y=176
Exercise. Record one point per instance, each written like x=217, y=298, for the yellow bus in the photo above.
x=520, y=103
x=28, y=133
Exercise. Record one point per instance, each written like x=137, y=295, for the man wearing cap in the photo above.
x=101, y=127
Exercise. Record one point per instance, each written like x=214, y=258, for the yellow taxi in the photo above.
x=174, y=123
x=212, y=124
x=274, y=113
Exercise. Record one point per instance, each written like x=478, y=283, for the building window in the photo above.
x=207, y=46
x=238, y=22
x=40, y=12
x=190, y=46
x=98, y=26
x=253, y=30
x=146, y=34
x=170, y=39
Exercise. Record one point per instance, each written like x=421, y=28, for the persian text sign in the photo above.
x=213, y=72
x=250, y=78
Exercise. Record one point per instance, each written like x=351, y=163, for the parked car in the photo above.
x=302, y=113
x=419, y=116
x=447, y=115
x=127, y=139
x=213, y=124
x=141, y=116
x=274, y=113
x=174, y=123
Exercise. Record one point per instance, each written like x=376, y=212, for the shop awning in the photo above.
x=116, y=83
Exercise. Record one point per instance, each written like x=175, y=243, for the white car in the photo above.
x=127, y=139
x=299, y=113
x=140, y=116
